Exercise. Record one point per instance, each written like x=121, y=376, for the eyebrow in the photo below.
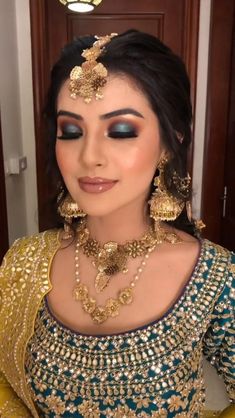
x=125, y=111
x=66, y=113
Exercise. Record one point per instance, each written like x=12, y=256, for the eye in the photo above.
x=69, y=131
x=122, y=130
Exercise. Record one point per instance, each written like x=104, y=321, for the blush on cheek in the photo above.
x=133, y=159
x=139, y=157
x=141, y=162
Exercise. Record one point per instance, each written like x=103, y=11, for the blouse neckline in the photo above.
x=165, y=317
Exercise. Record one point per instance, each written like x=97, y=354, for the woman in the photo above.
x=110, y=317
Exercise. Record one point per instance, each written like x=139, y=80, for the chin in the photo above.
x=94, y=209
x=98, y=213
x=102, y=210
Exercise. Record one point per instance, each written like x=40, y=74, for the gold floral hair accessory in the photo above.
x=89, y=78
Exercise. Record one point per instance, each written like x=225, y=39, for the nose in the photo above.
x=92, y=152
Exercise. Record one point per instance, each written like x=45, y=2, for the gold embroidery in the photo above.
x=89, y=409
x=55, y=404
x=24, y=277
x=233, y=268
x=175, y=402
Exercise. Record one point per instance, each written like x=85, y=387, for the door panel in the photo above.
x=219, y=152
x=118, y=23
x=163, y=18
x=175, y=22
x=53, y=25
x=228, y=221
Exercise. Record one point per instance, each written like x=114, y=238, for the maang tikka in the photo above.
x=69, y=210
x=88, y=79
x=163, y=205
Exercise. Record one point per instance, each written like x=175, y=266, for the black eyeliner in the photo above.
x=122, y=135
x=69, y=136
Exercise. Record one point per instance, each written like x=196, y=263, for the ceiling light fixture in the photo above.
x=81, y=6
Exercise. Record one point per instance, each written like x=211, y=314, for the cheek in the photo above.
x=63, y=157
x=141, y=158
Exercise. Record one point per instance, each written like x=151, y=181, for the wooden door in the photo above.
x=53, y=25
x=228, y=212
x=3, y=210
x=219, y=155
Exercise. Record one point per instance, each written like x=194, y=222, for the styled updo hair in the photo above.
x=160, y=75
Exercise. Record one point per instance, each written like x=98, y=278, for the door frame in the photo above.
x=41, y=78
x=3, y=206
x=220, y=60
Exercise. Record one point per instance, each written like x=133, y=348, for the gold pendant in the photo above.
x=101, y=281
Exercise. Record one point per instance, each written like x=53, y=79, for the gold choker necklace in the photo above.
x=110, y=259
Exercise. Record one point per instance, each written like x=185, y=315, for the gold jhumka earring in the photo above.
x=69, y=210
x=163, y=205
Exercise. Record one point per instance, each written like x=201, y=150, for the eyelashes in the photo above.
x=118, y=130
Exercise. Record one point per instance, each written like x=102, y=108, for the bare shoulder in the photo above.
x=189, y=246
x=182, y=255
x=186, y=241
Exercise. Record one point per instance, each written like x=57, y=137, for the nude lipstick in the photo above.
x=95, y=184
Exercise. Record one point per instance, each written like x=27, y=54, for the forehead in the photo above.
x=119, y=91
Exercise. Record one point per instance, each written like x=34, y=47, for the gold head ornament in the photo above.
x=88, y=79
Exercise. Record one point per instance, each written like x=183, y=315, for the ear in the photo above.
x=165, y=155
x=180, y=136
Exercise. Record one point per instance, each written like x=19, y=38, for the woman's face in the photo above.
x=108, y=150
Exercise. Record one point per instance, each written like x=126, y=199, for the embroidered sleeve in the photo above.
x=10, y=405
x=219, y=340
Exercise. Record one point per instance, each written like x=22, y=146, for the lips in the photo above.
x=96, y=184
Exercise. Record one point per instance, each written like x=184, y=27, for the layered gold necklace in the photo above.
x=110, y=259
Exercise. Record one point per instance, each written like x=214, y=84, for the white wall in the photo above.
x=17, y=115
x=11, y=118
x=27, y=111
x=200, y=110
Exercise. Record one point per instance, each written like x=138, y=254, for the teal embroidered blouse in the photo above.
x=153, y=371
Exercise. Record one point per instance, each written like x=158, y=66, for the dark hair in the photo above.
x=160, y=75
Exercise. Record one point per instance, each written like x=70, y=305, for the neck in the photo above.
x=119, y=227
